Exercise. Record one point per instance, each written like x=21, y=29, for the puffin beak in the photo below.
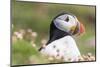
x=81, y=29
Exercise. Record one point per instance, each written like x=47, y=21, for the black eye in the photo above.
x=67, y=19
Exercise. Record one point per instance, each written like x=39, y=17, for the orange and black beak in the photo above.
x=80, y=29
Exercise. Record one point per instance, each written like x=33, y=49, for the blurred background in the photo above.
x=30, y=29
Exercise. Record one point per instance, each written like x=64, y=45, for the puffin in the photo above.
x=61, y=43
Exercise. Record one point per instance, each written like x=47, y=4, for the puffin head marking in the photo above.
x=68, y=23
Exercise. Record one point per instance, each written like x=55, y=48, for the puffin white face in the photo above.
x=66, y=22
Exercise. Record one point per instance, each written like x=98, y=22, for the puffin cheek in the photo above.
x=72, y=28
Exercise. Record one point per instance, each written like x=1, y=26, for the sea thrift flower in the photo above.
x=29, y=30
x=34, y=34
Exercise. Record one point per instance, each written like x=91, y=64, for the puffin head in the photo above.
x=68, y=23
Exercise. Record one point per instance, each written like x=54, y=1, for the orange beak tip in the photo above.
x=82, y=28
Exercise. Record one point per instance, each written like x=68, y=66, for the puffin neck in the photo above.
x=56, y=34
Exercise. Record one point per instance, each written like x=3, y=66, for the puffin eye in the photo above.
x=67, y=19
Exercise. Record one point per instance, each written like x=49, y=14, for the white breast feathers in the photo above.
x=64, y=47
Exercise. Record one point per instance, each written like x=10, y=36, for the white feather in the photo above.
x=62, y=24
x=66, y=46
